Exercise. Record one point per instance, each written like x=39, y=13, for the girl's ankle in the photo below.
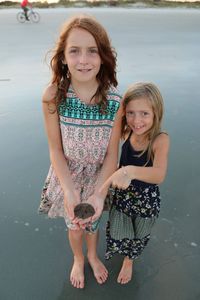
x=79, y=258
x=127, y=261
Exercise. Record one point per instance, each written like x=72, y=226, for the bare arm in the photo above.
x=57, y=157
x=109, y=166
x=111, y=159
x=155, y=174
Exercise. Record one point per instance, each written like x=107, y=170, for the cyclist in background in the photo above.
x=24, y=5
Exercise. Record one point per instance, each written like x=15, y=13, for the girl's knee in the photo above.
x=76, y=233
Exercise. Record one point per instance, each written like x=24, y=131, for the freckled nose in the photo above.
x=137, y=118
x=83, y=58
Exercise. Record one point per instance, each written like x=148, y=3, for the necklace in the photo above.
x=139, y=144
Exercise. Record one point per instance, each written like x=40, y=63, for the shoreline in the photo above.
x=108, y=4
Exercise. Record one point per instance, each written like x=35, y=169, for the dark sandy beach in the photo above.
x=158, y=45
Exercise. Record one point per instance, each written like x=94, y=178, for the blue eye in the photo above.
x=130, y=113
x=73, y=50
x=93, y=50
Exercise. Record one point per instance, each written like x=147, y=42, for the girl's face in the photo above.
x=82, y=56
x=139, y=116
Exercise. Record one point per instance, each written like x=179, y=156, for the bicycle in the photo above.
x=32, y=16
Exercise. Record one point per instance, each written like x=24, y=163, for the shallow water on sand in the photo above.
x=162, y=46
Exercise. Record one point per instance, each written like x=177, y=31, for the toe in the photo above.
x=78, y=284
x=81, y=284
x=105, y=276
x=73, y=282
x=99, y=279
x=119, y=279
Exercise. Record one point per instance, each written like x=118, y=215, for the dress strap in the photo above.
x=128, y=138
x=162, y=132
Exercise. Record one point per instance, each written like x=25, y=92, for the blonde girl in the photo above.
x=143, y=165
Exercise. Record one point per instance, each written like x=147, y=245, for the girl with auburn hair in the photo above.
x=83, y=121
x=143, y=165
x=107, y=73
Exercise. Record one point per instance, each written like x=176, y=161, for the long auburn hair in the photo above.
x=107, y=73
x=150, y=92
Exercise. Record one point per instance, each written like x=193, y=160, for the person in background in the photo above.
x=25, y=4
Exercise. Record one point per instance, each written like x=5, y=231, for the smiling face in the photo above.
x=82, y=56
x=139, y=116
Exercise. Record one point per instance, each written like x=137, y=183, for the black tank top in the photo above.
x=129, y=156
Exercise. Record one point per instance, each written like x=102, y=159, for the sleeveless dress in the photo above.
x=85, y=134
x=133, y=211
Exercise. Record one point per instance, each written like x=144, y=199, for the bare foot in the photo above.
x=125, y=273
x=77, y=273
x=99, y=270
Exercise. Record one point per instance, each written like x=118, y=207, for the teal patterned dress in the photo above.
x=85, y=133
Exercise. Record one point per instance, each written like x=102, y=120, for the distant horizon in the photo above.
x=56, y=1
x=42, y=1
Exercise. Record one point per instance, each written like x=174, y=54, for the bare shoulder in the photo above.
x=162, y=141
x=49, y=93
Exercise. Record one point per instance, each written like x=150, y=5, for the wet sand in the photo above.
x=159, y=45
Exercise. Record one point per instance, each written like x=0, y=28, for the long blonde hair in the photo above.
x=150, y=92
